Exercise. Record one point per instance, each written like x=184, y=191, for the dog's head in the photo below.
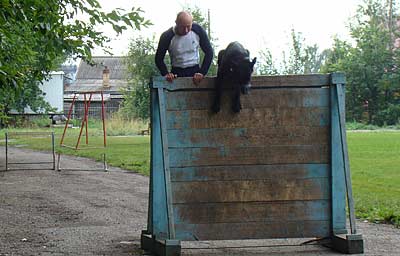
x=243, y=70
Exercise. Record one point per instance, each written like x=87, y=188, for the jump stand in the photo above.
x=277, y=169
x=13, y=138
x=87, y=98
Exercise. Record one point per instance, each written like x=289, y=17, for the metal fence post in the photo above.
x=6, y=151
x=53, y=150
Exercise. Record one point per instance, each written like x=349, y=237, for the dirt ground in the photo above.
x=91, y=212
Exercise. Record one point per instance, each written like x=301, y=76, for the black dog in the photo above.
x=235, y=68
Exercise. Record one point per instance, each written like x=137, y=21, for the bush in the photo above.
x=389, y=116
x=360, y=126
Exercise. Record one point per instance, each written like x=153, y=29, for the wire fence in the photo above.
x=78, y=110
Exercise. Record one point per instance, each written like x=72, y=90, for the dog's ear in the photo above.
x=220, y=56
x=253, y=62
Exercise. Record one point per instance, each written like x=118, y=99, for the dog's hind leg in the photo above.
x=236, y=106
x=218, y=92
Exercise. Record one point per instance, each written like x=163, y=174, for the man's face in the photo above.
x=183, y=26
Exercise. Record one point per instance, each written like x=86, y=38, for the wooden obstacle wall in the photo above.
x=274, y=170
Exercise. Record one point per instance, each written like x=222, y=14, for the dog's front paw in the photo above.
x=216, y=107
x=236, y=108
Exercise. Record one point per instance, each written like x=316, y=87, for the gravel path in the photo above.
x=44, y=212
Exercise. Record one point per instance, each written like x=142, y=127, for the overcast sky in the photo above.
x=255, y=23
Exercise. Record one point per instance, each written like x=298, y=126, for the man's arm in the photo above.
x=205, y=46
x=162, y=48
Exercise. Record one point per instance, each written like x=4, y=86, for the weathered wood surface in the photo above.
x=250, y=190
x=253, y=230
x=257, y=98
x=264, y=118
x=261, y=173
x=209, y=156
x=250, y=137
x=250, y=172
x=236, y=212
x=315, y=80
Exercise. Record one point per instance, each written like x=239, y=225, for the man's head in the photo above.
x=183, y=23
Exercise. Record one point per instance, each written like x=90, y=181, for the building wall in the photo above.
x=54, y=94
x=54, y=91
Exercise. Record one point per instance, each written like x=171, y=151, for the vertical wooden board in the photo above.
x=253, y=230
x=250, y=172
x=237, y=212
x=249, y=137
x=152, y=156
x=298, y=154
x=165, y=151
x=159, y=208
x=347, y=175
x=337, y=170
x=250, y=190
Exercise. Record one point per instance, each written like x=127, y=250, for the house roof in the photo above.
x=90, y=85
x=90, y=78
x=116, y=65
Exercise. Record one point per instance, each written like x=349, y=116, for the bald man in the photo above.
x=182, y=43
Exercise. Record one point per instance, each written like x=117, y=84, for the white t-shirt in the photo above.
x=184, y=50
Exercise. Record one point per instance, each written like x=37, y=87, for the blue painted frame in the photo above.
x=161, y=218
x=337, y=163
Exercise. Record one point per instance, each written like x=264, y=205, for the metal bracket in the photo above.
x=159, y=247
x=349, y=244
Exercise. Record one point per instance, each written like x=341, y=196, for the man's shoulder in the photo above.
x=197, y=28
x=169, y=33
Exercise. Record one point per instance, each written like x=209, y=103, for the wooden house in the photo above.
x=109, y=75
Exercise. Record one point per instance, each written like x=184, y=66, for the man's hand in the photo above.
x=170, y=77
x=197, y=78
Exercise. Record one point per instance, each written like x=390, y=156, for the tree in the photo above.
x=301, y=59
x=35, y=35
x=265, y=63
x=141, y=68
x=371, y=66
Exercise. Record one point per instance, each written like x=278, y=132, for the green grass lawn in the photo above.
x=127, y=152
x=375, y=167
x=374, y=162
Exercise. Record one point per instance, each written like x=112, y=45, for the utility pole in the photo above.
x=209, y=24
x=390, y=23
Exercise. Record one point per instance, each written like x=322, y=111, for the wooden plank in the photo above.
x=253, y=230
x=158, y=218
x=258, y=98
x=297, y=154
x=207, y=213
x=264, y=118
x=337, y=170
x=250, y=190
x=312, y=80
x=167, y=176
x=342, y=123
x=249, y=137
x=250, y=172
